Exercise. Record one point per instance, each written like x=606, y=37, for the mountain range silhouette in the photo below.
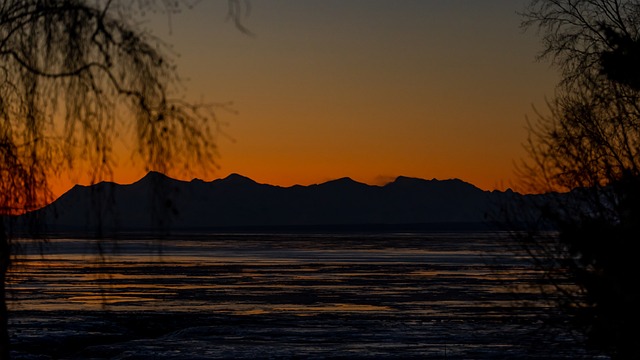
x=237, y=202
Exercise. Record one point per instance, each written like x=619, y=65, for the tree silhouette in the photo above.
x=588, y=147
x=75, y=74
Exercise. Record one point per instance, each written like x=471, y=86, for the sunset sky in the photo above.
x=369, y=89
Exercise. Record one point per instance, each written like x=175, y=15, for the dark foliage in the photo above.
x=589, y=146
x=74, y=75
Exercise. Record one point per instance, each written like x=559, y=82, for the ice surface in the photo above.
x=401, y=296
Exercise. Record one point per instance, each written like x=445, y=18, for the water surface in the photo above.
x=457, y=295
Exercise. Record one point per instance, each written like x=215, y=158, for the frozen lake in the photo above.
x=428, y=296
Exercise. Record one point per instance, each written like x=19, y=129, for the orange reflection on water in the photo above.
x=247, y=276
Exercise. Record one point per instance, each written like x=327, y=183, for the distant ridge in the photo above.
x=235, y=179
x=158, y=202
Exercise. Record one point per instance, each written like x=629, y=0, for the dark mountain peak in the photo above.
x=410, y=182
x=507, y=191
x=77, y=187
x=342, y=182
x=156, y=180
x=401, y=180
x=236, y=179
x=457, y=181
x=153, y=176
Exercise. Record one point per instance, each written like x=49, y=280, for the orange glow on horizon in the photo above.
x=425, y=89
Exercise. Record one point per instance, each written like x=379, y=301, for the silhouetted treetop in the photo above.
x=577, y=33
x=622, y=62
x=74, y=76
x=588, y=144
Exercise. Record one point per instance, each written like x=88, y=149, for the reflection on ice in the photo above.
x=242, y=296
